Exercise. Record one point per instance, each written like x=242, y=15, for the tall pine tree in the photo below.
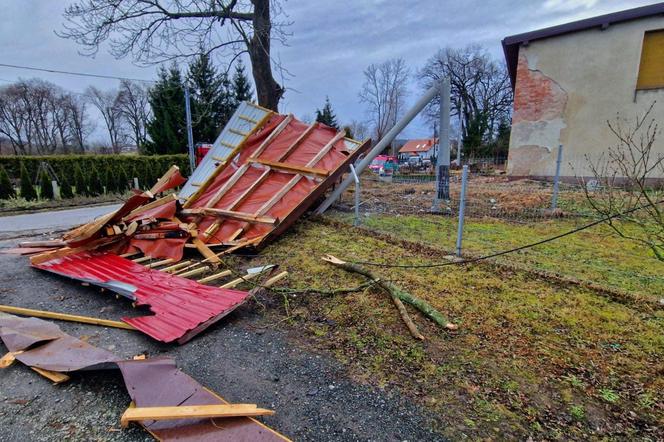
x=167, y=128
x=326, y=116
x=212, y=104
x=241, y=86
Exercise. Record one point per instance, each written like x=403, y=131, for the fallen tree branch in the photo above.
x=395, y=291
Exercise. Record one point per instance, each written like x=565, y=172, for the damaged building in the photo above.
x=569, y=80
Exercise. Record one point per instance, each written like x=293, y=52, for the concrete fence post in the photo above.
x=462, y=209
x=56, y=189
x=190, y=137
x=443, y=153
x=136, y=183
x=556, y=179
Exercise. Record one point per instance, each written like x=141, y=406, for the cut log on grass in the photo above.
x=395, y=291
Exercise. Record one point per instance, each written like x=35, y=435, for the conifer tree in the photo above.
x=65, y=188
x=80, y=182
x=45, y=186
x=27, y=189
x=167, y=127
x=241, y=86
x=109, y=180
x=95, y=186
x=326, y=116
x=121, y=180
x=212, y=103
x=6, y=188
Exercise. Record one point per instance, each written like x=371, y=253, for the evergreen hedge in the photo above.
x=65, y=165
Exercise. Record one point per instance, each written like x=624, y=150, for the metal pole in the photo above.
x=443, y=154
x=382, y=144
x=190, y=135
x=556, y=179
x=462, y=209
x=460, y=142
x=357, y=196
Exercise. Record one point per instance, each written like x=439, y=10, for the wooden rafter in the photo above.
x=292, y=168
x=240, y=216
x=272, y=136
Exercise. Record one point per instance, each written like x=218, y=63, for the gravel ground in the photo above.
x=238, y=358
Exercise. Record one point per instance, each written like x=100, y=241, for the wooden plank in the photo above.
x=53, y=376
x=205, y=250
x=176, y=267
x=163, y=262
x=214, y=277
x=324, y=151
x=292, y=168
x=219, y=158
x=249, y=119
x=240, y=280
x=231, y=214
x=237, y=132
x=240, y=199
x=232, y=146
x=142, y=259
x=156, y=203
x=47, y=243
x=129, y=255
x=64, y=317
x=227, y=185
x=272, y=136
x=133, y=414
x=194, y=272
x=8, y=359
x=270, y=282
x=164, y=178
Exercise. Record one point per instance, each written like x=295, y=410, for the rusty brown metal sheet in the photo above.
x=158, y=382
x=150, y=382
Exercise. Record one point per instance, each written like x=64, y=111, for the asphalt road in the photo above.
x=245, y=358
x=49, y=221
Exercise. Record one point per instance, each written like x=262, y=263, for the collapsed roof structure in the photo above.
x=263, y=172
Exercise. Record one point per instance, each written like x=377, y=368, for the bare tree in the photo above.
x=359, y=129
x=154, y=31
x=134, y=107
x=106, y=103
x=481, y=95
x=625, y=187
x=80, y=125
x=385, y=91
x=13, y=119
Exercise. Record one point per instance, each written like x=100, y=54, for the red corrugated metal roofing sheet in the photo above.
x=182, y=307
x=423, y=145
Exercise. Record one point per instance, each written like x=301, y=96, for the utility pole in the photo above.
x=443, y=154
x=190, y=135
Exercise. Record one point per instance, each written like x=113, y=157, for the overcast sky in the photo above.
x=332, y=42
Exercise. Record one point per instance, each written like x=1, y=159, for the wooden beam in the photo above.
x=176, y=267
x=53, y=376
x=133, y=414
x=8, y=359
x=194, y=272
x=163, y=262
x=246, y=118
x=292, y=168
x=64, y=317
x=240, y=216
x=164, y=178
x=214, y=277
x=142, y=259
x=240, y=199
x=237, y=132
x=205, y=250
x=272, y=136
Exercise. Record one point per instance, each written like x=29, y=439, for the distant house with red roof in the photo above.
x=424, y=148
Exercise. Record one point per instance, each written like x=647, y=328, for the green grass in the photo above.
x=595, y=255
x=527, y=350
